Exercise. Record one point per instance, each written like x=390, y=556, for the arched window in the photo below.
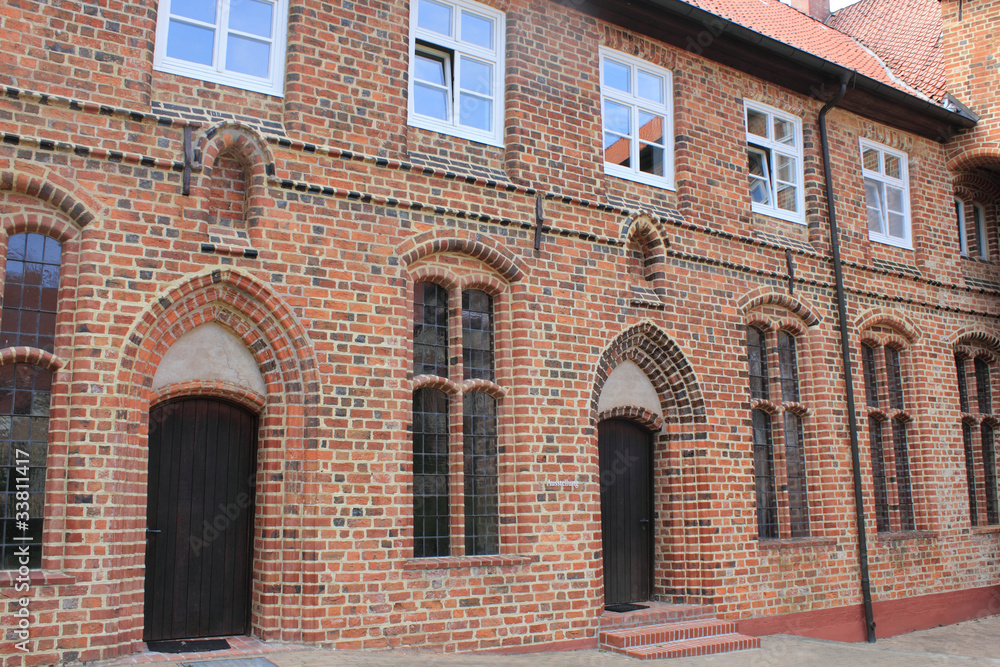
x=477, y=448
x=980, y=463
x=773, y=498
x=28, y=319
x=887, y=420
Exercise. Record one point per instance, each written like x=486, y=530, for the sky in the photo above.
x=840, y=4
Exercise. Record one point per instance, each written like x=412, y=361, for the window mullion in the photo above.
x=222, y=35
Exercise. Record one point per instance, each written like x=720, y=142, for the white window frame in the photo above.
x=271, y=85
x=634, y=102
x=963, y=241
x=769, y=146
x=884, y=180
x=455, y=51
x=979, y=214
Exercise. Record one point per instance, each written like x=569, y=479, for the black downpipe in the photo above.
x=845, y=350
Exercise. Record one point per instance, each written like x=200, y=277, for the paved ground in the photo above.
x=971, y=643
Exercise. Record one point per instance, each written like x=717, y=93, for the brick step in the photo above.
x=693, y=647
x=665, y=632
x=658, y=612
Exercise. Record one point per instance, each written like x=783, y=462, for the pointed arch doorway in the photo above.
x=626, y=462
x=200, y=508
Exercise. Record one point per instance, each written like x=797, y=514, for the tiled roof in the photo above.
x=906, y=34
x=790, y=26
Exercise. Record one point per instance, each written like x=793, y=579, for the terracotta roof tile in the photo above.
x=790, y=26
x=906, y=34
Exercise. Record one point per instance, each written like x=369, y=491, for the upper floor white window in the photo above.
x=982, y=241
x=963, y=242
x=887, y=194
x=638, y=121
x=774, y=156
x=239, y=43
x=456, y=69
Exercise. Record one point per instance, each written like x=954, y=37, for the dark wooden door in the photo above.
x=199, y=519
x=625, y=451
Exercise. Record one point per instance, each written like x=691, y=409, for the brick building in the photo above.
x=440, y=326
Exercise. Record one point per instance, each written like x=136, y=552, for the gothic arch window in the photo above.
x=979, y=425
x=777, y=417
x=883, y=361
x=28, y=319
x=455, y=373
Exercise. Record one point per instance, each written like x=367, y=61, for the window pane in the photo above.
x=477, y=335
x=476, y=112
x=787, y=197
x=430, y=473
x=878, y=475
x=430, y=330
x=617, y=118
x=651, y=159
x=970, y=473
x=757, y=358
x=252, y=16
x=617, y=75
x=870, y=159
x=990, y=474
x=650, y=86
x=960, y=219
x=983, y=393
x=897, y=226
x=30, y=291
x=895, y=376
x=248, y=56
x=477, y=30
x=617, y=150
x=760, y=180
x=199, y=10
x=191, y=43
x=479, y=416
x=906, y=520
x=757, y=123
x=430, y=101
x=894, y=199
x=25, y=389
x=788, y=366
x=430, y=69
x=434, y=16
x=795, y=458
x=963, y=386
x=651, y=127
x=477, y=76
x=873, y=201
x=892, y=167
x=784, y=131
x=763, y=461
x=981, y=243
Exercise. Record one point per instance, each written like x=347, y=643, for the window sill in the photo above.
x=452, y=562
x=985, y=530
x=903, y=244
x=903, y=535
x=797, y=543
x=777, y=214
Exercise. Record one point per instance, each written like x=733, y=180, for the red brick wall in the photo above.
x=323, y=300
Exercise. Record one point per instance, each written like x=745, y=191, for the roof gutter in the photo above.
x=719, y=25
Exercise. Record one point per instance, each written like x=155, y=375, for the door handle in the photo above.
x=150, y=530
x=642, y=521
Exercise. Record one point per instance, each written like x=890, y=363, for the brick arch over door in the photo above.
x=287, y=362
x=664, y=363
